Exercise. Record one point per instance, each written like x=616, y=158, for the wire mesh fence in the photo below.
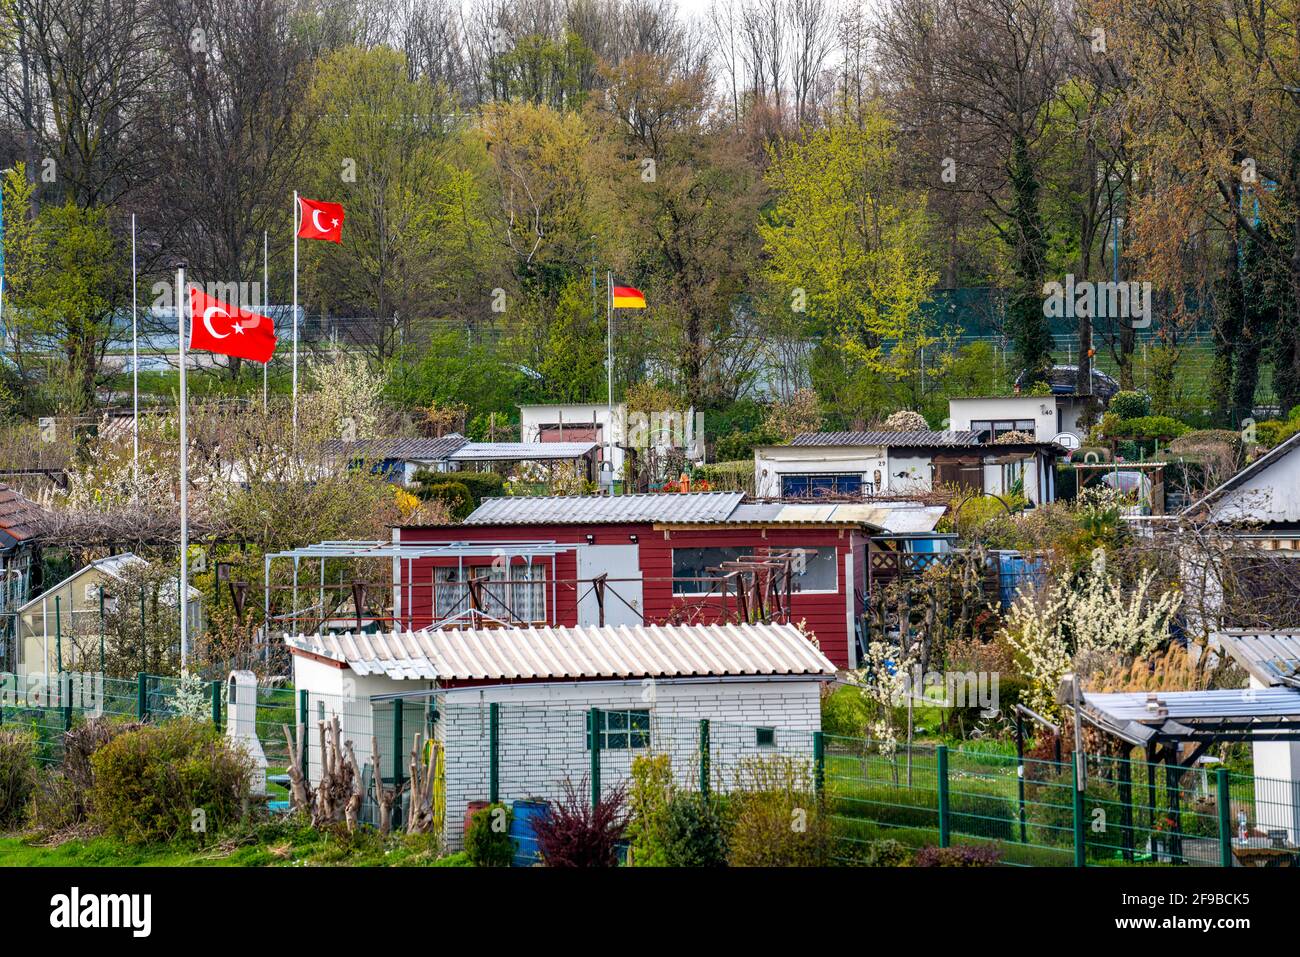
x=1095, y=811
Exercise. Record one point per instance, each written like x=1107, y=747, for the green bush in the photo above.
x=882, y=852
x=779, y=818
x=455, y=495
x=17, y=775
x=740, y=445
x=694, y=831
x=650, y=796
x=1272, y=432
x=1130, y=405
x=481, y=485
x=845, y=712
x=727, y=476
x=148, y=783
x=488, y=841
x=56, y=802
x=1146, y=427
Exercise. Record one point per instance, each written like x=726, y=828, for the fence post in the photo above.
x=1225, y=818
x=65, y=694
x=593, y=723
x=941, y=754
x=397, y=745
x=142, y=695
x=1080, y=858
x=494, y=767
x=306, y=732
x=216, y=705
x=101, y=629
x=704, y=756
x=819, y=762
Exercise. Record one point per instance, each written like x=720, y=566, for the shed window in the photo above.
x=694, y=569
x=510, y=591
x=765, y=737
x=622, y=730
x=820, y=486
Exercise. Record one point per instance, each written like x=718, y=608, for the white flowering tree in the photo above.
x=884, y=681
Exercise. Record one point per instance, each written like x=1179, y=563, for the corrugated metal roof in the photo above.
x=19, y=517
x=1272, y=658
x=597, y=509
x=520, y=451
x=622, y=651
x=1184, y=706
x=422, y=449
x=921, y=438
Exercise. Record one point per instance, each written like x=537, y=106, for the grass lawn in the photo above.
x=277, y=844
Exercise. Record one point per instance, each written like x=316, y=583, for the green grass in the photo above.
x=275, y=844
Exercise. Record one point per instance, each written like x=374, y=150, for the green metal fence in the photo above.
x=1123, y=813
x=1093, y=811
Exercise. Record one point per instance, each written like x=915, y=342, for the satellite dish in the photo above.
x=1067, y=440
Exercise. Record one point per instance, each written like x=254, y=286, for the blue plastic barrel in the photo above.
x=524, y=815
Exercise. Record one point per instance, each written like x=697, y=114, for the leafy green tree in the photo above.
x=848, y=249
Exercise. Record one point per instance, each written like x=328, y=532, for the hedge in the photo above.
x=480, y=485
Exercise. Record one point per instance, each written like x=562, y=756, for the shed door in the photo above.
x=623, y=600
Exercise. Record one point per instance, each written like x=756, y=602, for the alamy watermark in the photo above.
x=1114, y=300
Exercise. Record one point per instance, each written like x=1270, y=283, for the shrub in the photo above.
x=574, y=834
x=488, y=841
x=55, y=803
x=149, y=782
x=888, y=853
x=79, y=745
x=17, y=775
x=779, y=819
x=695, y=831
x=740, y=445
x=454, y=495
x=649, y=799
x=481, y=485
x=845, y=712
x=728, y=476
x=961, y=856
x=1144, y=427
x=1130, y=405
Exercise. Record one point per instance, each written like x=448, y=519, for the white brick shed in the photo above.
x=653, y=685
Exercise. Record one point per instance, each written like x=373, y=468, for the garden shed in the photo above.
x=512, y=706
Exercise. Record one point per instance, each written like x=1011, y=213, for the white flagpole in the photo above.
x=296, y=213
x=609, y=368
x=182, y=597
x=135, y=369
x=265, y=305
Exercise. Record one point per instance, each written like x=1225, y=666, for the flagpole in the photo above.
x=296, y=214
x=266, y=298
x=182, y=596
x=609, y=368
x=135, y=370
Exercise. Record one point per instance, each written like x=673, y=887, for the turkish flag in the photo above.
x=216, y=326
x=318, y=220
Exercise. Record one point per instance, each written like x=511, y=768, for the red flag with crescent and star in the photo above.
x=320, y=220
x=217, y=326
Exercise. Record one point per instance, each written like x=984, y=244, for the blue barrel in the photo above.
x=524, y=815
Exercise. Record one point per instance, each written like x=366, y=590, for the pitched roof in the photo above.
x=600, y=509
x=1272, y=658
x=612, y=651
x=521, y=451
x=1265, y=461
x=418, y=448
x=19, y=518
x=919, y=438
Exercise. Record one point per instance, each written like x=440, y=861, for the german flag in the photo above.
x=625, y=297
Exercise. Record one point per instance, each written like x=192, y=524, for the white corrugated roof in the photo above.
x=613, y=651
x=595, y=509
x=521, y=451
x=1271, y=657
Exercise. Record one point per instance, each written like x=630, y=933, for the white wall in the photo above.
x=961, y=412
x=533, y=417
x=773, y=461
x=542, y=733
x=1277, y=784
x=1270, y=495
x=919, y=477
